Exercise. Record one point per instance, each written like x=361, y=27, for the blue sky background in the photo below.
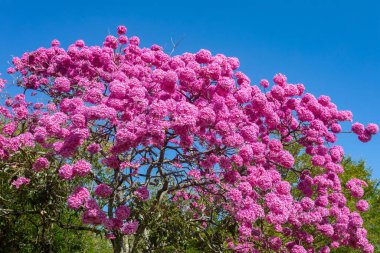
x=333, y=47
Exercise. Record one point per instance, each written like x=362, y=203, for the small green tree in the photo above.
x=35, y=218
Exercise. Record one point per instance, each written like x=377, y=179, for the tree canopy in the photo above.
x=133, y=138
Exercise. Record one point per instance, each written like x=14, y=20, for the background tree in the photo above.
x=35, y=218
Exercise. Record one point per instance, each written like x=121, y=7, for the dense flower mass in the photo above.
x=132, y=119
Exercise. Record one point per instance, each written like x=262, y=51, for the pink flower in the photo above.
x=111, y=42
x=93, y=148
x=78, y=198
x=78, y=120
x=336, y=154
x=123, y=39
x=121, y=30
x=117, y=89
x=142, y=193
x=362, y=205
x=318, y=160
x=103, y=191
x=356, y=187
x=55, y=43
x=372, y=128
x=286, y=159
x=40, y=164
x=79, y=43
x=20, y=181
x=93, y=214
x=203, y=56
x=278, y=92
x=195, y=174
x=122, y=212
x=11, y=70
x=336, y=128
x=298, y=249
x=365, y=137
x=186, y=74
x=82, y=168
x=275, y=243
x=134, y=40
x=264, y=83
x=358, y=128
x=326, y=229
x=169, y=81
x=279, y=79
x=130, y=227
x=66, y=172
x=307, y=203
x=62, y=84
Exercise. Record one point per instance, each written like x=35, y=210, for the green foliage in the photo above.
x=34, y=218
x=171, y=227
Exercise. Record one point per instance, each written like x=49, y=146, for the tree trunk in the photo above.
x=117, y=244
x=120, y=244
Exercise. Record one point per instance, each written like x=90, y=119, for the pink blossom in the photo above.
x=169, y=81
x=81, y=168
x=103, y=191
x=203, y=56
x=55, y=43
x=79, y=43
x=130, y=227
x=195, y=174
x=372, y=128
x=122, y=212
x=275, y=243
x=62, y=84
x=40, y=164
x=142, y=193
x=336, y=128
x=279, y=79
x=20, y=181
x=358, y=128
x=123, y=39
x=365, y=137
x=362, y=205
x=264, y=83
x=121, y=30
x=66, y=172
x=78, y=198
x=134, y=40
x=93, y=214
x=93, y=148
x=298, y=249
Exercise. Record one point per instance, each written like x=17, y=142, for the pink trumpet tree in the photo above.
x=130, y=125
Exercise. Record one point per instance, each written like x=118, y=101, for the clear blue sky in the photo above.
x=333, y=47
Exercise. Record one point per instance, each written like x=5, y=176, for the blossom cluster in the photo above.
x=118, y=105
x=20, y=181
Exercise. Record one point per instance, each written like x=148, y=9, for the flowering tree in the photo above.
x=132, y=126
